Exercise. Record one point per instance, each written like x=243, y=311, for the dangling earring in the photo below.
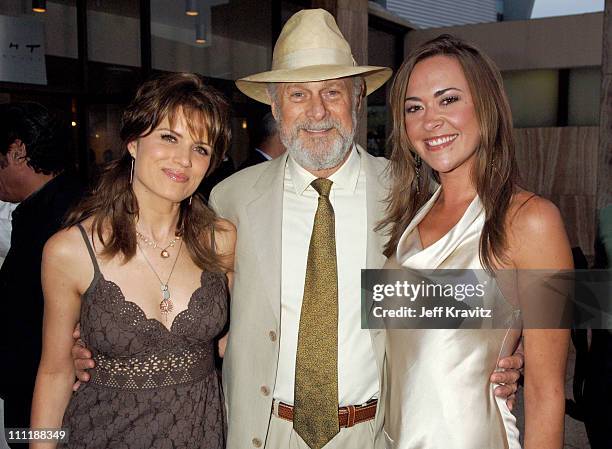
x=190, y=198
x=417, y=169
x=132, y=172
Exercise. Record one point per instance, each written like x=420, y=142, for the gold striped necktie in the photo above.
x=315, y=416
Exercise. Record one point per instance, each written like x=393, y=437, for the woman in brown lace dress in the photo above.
x=143, y=265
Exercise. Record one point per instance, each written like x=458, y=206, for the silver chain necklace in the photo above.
x=165, y=306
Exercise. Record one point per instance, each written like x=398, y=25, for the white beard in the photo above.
x=318, y=153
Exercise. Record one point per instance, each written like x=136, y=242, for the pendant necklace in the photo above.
x=165, y=305
x=153, y=244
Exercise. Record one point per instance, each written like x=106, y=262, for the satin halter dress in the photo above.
x=439, y=395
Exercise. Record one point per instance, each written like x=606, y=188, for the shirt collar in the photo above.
x=345, y=178
x=264, y=154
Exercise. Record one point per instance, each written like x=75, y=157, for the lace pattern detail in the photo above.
x=153, y=387
x=153, y=371
x=113, y=326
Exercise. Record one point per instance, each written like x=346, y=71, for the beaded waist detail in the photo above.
x=151, y=371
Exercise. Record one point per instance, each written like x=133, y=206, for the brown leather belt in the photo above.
x=347, y=416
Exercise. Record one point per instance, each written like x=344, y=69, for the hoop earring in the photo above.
x=132, y=172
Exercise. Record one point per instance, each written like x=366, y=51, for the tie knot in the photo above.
x=322, y=186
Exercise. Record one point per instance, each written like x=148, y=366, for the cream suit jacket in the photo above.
x=253, y=200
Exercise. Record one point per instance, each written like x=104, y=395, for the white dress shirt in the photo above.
x=357, y=372
x=6, y=210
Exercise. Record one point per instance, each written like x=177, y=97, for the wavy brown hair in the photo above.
x=495, y=174
x=114, y=206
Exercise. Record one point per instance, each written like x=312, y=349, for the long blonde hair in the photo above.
x=495, y=174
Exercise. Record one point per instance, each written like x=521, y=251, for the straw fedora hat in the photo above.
x=311, y=48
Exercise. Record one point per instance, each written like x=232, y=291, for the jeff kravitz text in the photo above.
x=431, y=312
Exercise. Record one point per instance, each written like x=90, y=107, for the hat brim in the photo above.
x=255, y=86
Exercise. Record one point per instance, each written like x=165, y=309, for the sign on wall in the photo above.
x=22, y=50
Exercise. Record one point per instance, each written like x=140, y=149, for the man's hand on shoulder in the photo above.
x=81, y=358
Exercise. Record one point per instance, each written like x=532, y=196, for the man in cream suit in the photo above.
x=273, y=206
x=315, y=91
x=273, y=374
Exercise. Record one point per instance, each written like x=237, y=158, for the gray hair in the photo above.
x=272, y=89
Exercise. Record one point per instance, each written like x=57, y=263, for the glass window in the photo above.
x=113, y=32
x=533, y=96
x=61, y=28
x=583, y=101
x=58, y=65
x=59, y=21
x=236, y=37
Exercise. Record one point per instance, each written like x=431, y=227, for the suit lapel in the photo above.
x=265, y=215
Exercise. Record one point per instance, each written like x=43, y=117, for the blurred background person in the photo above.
x=597, y=387
x=35, y=171
x=265, y=142
x=225, y=169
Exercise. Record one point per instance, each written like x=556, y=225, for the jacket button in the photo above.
x=272, y=335
x=256, y=442
x=264, y=390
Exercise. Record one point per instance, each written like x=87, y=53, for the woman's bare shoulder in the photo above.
x=533, y=214
x=66, y=251
x=64, y=243
x=536, y=233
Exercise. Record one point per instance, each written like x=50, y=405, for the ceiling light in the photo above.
x=39, y=5
x=200, y=33
x=191, y=8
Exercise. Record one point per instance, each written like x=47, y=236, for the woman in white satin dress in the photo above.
x=452, y=136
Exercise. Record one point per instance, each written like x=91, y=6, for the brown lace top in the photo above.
x=152, y=386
